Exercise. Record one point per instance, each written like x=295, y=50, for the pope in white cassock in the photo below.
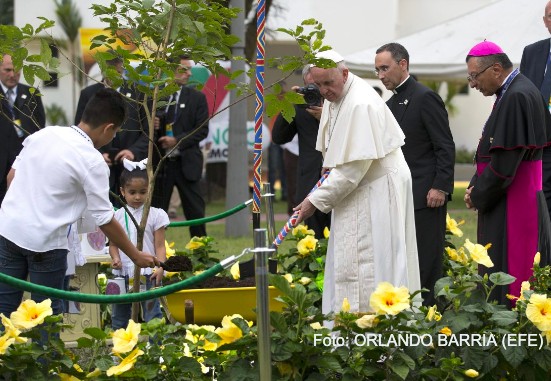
x=368, y=189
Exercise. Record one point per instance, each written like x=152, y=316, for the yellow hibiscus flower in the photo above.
x=194, y=337
x=316, y=325
x=195, y=243
x=126, y=364
x=326, y=232
x=30, y=314
x=169, y=249
x=229, y=332
x=458, y=256
x=234, y=271
x=453, y=227
x=538, y=311
x=446, y=331
x=124, y=340
x=93, y=374
x=304, y=280
x=12, y=330
x=524, y=286
x=479, y=253
x=288, y=277
x=367, y=321
x=433, y=314
x=387, y=299
x=5, y=341
x=302, y=230
x=306, y=245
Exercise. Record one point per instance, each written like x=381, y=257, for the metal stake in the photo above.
x=262, y=303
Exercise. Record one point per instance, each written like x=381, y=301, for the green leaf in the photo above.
x=278, y=322
x=501, y=278
x=146, y=4
x=514, y=354
x=474, y=357
x=458, y=321
x=504, y=318
x=489, y=364
x=41, y=73
x=543, y=358
x=400, y=368
x=85, y=342
x=28, y=74
x=45, y=52
x=96, y=333
x=330, y=363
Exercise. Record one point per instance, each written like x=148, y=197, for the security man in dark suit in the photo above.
x=20, y=109
x=536, y=65
x=185, y=120
x=537, y=56
x=131, y=140
x=430, y=153
x=305, y=124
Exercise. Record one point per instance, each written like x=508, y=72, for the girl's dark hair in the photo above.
x=127, y=176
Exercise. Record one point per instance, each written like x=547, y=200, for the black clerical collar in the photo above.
x=402, y=86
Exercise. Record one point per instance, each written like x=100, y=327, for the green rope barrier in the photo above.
x=219, y=216
x=117, y=299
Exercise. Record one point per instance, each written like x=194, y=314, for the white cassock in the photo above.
x=369, y=191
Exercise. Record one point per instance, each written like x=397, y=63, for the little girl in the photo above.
x=134, y=188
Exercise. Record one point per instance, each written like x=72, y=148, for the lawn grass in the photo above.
x=458, y=211
x=234, y=245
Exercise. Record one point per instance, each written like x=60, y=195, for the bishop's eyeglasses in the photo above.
x=474, y=76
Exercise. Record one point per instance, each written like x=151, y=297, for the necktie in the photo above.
x=175, y=106
x=546, y=84
x=10, y=96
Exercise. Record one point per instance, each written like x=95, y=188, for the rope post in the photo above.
x=259, y=110
x=269, y=201
x=262, y=303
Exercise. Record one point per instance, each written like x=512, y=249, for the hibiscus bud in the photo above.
x=345, y=305
x=471, y=373
x=537, y=258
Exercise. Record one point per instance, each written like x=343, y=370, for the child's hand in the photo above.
x=116, y=263
x=157, y=276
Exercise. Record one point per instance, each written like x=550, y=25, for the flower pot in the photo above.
x=211, y=305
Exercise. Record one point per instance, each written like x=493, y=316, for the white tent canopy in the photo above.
x=439, y=52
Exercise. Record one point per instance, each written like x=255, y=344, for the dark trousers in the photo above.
x=46, y=268
x=290, y=160
x=318, y=222
x=430, y=227
x=193, y=203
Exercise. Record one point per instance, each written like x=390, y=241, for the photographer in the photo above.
x=305, y=125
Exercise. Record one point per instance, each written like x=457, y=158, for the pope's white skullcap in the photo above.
x=330, y=55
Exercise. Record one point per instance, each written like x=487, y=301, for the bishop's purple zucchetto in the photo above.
x=485, y=48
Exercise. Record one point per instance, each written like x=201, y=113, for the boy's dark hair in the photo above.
x=127, y=176
x=106, y=106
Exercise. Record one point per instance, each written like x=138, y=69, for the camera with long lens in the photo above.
x=312, y=95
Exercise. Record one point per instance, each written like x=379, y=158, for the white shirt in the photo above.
x=59, y=174
x=157, y=219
